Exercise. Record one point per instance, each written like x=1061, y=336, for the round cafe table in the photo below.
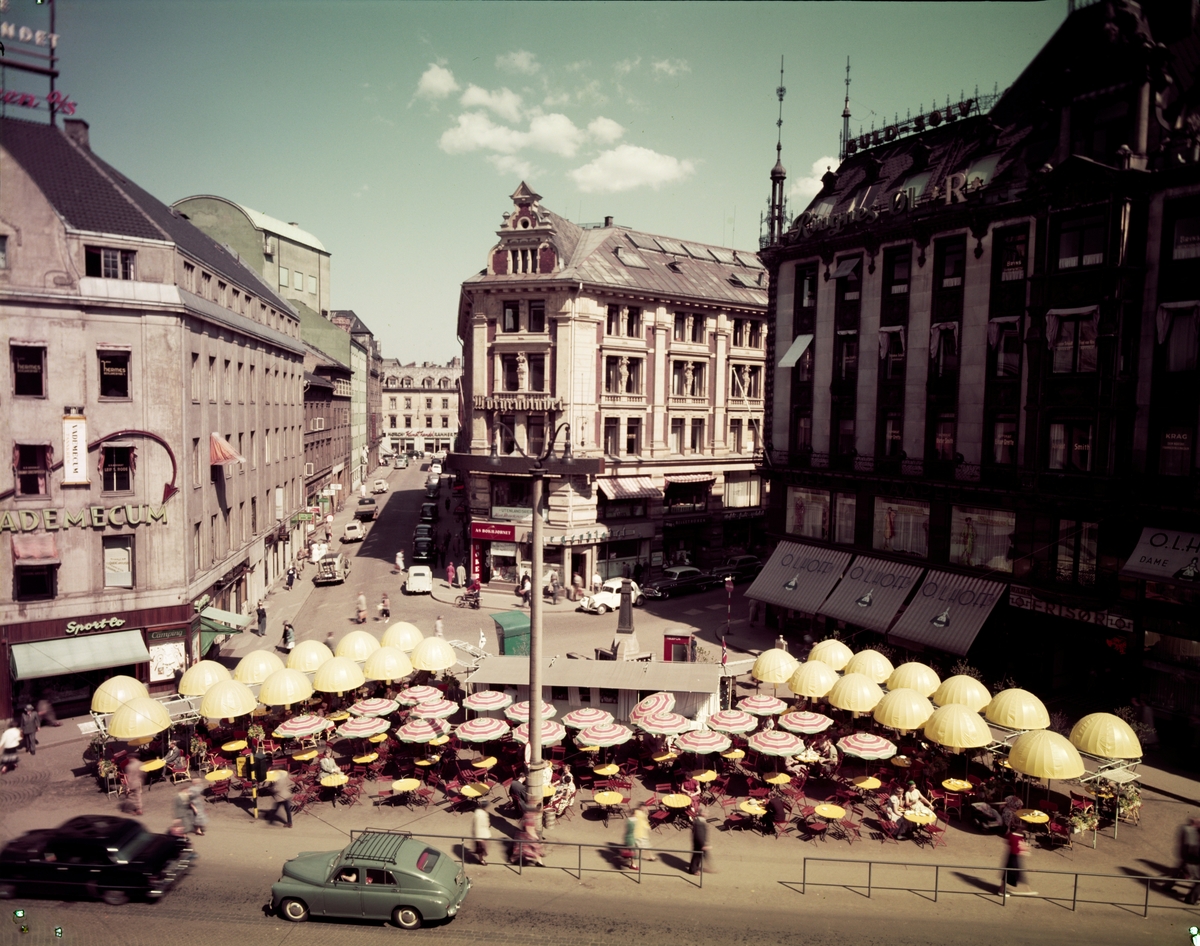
x=830, y=812
x=306, y=756
x=153, y=765
x=957, y=785
x=677, y=800
x=808, y=757
x=219, y=775
x=778, y=778
x=432, y=760
x=484, y=764
x=377, y=738
x=274, y=775
x=237, y=745
x=610, y=804
x=439, y=740
x=475, y=790
x=734, y=754
x=1032, y=816
x=705, y=775
x=665, y=757
x=867, y=783
x=334, y=779
x=406, y=785
x=588, y=748
x=610, y=768
x=339, y=716
x=919, y=819
x=753, y=808
x=364, y=759
x=1004, y=764
x=901, y=761
x=549, y=789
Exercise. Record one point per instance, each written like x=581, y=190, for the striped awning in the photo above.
x=798, y=576
x=628, y=487
x=871, y=592
x=673, y=478
x=948, y=611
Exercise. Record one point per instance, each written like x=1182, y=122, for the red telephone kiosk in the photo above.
x=679, y=647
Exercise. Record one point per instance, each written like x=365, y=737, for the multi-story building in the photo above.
x=652, y=350
x=175, y=374
x=367, y=419
x=326, y=430
x=982, y=417
x=420, y=407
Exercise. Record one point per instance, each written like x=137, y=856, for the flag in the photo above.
x=724, y=653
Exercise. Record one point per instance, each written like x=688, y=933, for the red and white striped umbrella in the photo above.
x=774, y=742
x=551, y=732
x=435, y=709
x=422, y=730
x=660, y=702
x=305, y=724
x=604, y=735
x=805, y=722
x=486, y=701
x=421, y=694
x=482, y=729
x=732, y=721
x=702, y=741
x=362, y=726
x=866, y=745
x=662, y=724
x=762, y=705
x=519, y=712
x=588, y=716
x=374, y=707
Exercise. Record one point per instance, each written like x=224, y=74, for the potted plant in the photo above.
x=256, y=733
x=1081, y=820
x=106, y=771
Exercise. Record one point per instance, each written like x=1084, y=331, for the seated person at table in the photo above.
x=916, y=802
x=328, y=766
x=828, y=753
x=794, y=766
x=173, y=755
x=564, y=795
x=690, y=786
x=778, y=810
x=518, y=793
x=893, y=811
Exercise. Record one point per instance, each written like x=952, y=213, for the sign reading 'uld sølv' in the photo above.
x=95, y=517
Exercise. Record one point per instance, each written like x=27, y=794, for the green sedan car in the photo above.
x=380, y=875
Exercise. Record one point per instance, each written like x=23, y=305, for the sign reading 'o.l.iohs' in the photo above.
x=956, y=594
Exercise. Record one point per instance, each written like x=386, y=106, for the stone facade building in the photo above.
x=326, y=431
x=420, y=407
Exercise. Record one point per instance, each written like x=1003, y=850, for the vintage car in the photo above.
x=381, y=874
x=379, y=486
x=608, y=598
x=354, y=531
x=333, y=567
x=429, y=512
x=681, y=580
x=435, y=468
x=424, y=530
x=400, y=463
x=420, y=580
x=739, y=568
x=366, y=510
x=101, y=856
x=422, y=550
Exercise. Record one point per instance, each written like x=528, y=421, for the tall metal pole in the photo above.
x=537, y=767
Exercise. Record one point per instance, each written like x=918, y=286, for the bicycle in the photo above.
x=467, y=601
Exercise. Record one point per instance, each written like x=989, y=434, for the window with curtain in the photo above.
x=891, y=352
x=677, y=424
x=612, y=436
x=846, y=358
x=901, y=526
x=982, y=538
x=1008, y=351
x=117, y=469
x=1004, y=441
x=678, y=375
x=1070, y=446
x=537, y=317
x=612, y=325
x=633, y=322
x=1181, y=341
x=1081, y=243
x=697, y=444
x=845, y=505
x=537, y=372
x=32, y=462
x=511, y=317
x=118, y=561
x=944, y=436
x=741, y=490
x=535, y=434
x=893, y=434
x=802, y=432
x=807, y=512
x=735, y=435
x=633, y=436
x=680, y=334
x=1074, y=347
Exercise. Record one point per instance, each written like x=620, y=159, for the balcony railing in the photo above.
x=616, y=400
x=687, y=401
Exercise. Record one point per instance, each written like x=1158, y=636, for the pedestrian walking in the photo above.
x=629, y=851
x=482, y=831
x=385, y=607
x=527, y=845
x=183, y=811
x=450, y=573
x=133, y=786
x=289, y=637
x=30, y=724
x=199, y=814
x=291, y=576
x=399, y=562
x=1189, y=858
x=281, y=790
x=262, y=618
x=597, y=582
x=438, y=628
x=576, y=587
x=461, y=574
x=1014, y=868
x=701, y=858
x=554, y=587
x=362, y=608
x=752, y=612
x=10, y=739
x=46, y=713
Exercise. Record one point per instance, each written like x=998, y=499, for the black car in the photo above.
x=739, y=568
x=680, y=580
x=422, y=550
x=429, y=512
x=424, y=530
x=367, y=510
x=100, y=856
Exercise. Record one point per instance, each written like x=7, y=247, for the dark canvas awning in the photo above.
x=948, y=611
x=1165, y=555
x=673, y=478
x=77, y=654
x=34, y=549
x=871, y=592
x=798, y=576
x=629, y=487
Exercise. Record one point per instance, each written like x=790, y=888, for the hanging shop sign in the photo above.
x=95, y=517
x=75, y=465
x=62, y=104
x=494, y=531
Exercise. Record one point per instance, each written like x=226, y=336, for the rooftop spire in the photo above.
x=781, y=92
x=778, y=203
x=846, y=113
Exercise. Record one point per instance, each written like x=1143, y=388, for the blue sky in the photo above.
x=396, y=131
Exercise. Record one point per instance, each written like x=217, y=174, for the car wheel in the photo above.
x=641, y=600
x=114, y=898
x=7, y=891
x=602, y=609
x=664, y=595
x=407, y=918
x=294, y=910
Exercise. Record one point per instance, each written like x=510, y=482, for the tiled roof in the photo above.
x=357, y=326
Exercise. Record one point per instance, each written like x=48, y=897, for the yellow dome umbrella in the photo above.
x=833, y=653
x=387, y=664
x=903, y=709
x=357, y=645
x=855, y=692
x=115, y=692
x=914, y=676
x=963, y=690
x=227, y=700
x=139, y=718
x=200, y=676
x=433, y=653
x=774, y=666
x=1017, y=709
x=1107, y=736
x=256, y=666
x=1045, y=754
x=403, y=636
x=813, y=679
x=285, y=687
x=307, y=656
x=337, y=675
x=956, y=727
x=870, y=663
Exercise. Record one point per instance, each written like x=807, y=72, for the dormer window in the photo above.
x=524, y=260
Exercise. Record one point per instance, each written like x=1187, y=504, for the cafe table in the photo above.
x=153, y=765
x=830, y=812
x=901, y=761
x=665, y=757
x=610, y=768
x=588, y=748
x=475, y=790
x=367, y=758
x=377, y=738
x=705, y=775
x=751, y=807
x=734, y=754
x=1004, y=764
x=274, y=775
x=219, y=775
x=549, y=789
x=918, y=820
x=677, y=800
x=306, y=756
x=610, y=803
x=439, y=740
x=867, y=783
x=335, y=780
x=339, y=716
x=430, y=760
x=1032, y=816
x=484, y=764
x=957, y=785
x=236, y=745
x=808, y=757
x=404, y=787
x=777, y=778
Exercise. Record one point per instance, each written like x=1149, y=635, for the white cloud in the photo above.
x=555, y=133
x=627, y=167
x=521, y=61
x=510, y=165
x=626, y=66
x=670, y=67
x=436, y=82
x=475, y=131
x=555, y=99
x=806, y=188
x=604, y=130
x=504, y=102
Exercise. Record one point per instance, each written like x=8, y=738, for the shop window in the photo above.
x=845, y=507
x=114, y=374
x=612, y=436
x=1071, y=446
x=32, y=463
x=106, y=263
x=807, y=513
x=742, y=490
x=612, y=325
x=633, y=436
x=697, y=444
x=28, y=370
x=1186, y=244
x=680, y=333
x=512, y=491
x=35, y=582
x=1076, y=552
x=117, y=469
x=1004, y=441
x=677, y=424
x=619, y=510
x=633, y=322
x=901, y=526
x=608, y=695
x=982, y=538
x=510, y=320
x=1073, y=347
x=1081, y=243
x=1175, y=451
x=1180, y=341
x=118, y=561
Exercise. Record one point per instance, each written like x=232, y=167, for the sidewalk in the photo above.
x=500, y=600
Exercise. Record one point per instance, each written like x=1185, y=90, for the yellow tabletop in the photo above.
x=439, y=740
x=608, y=799
x=734, y=754
x=377, y=738
x=610, y=769
x=338, y=717
x=428, y=762
x=808, y=757
x=406, y=785
x=707, y=775
x=1003, y=763
x=867, y=782
x=1032, y=816
x=237, y=745
x=1098, y=792
x=665, y=757
x=588, y=748
x=752, y=808
x=918, y=818
x=364, y=759
x=306, y=756
x=778, y=778
x=549, y=789
x=484, y=763
x=219, y=775
x=957, y=785
x=831, y=812
x=475, y=790
x=334, y=779
x=274, y=775
x=901, y=761
x=677, y=801
x=153, y=765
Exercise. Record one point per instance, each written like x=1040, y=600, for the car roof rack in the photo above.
x=376, y=844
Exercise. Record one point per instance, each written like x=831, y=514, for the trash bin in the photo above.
x=512, y=633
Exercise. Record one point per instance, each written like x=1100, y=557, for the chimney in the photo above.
x=608, y=221
x=77, y=130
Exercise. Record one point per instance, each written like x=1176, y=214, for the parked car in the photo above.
x=400, y=463
x=608, y=598
x=380, y=875
x=739, y=568
x=354, y=531
x=429, y=512
x=379, y=486
x=332, y=568
x=422, y=550
x=367, y=510
x=681, y=580
x=101, y=856
x=424, y=530
x=420, y=581
x=433, y=481
x=435, y=468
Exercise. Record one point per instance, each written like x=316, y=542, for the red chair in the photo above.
x=848, y=830
x=937, y=835
x=952, y=802
x=734, y=820
x=215, y=791
x=814, y=829
x=889, y=831
x=659, y=817
x=1059, y=833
